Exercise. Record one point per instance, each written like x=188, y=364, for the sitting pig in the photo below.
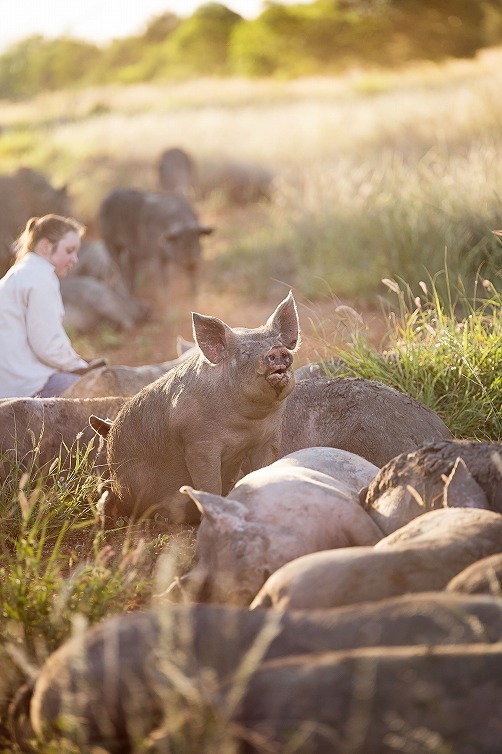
x=199, y=423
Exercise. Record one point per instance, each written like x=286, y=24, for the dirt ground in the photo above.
x=323, y=323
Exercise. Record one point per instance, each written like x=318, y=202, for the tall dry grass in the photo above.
x=376, y=171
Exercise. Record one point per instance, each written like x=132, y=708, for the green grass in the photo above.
x=445, y=350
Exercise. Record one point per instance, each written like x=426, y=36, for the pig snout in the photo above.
x=278, y=361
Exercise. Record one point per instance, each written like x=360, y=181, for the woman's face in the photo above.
x=64, y=254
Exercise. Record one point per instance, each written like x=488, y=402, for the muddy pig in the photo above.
x=197, y=425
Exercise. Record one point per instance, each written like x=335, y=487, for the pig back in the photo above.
x=361, y=416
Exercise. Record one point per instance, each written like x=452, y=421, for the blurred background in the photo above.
x=336, y=143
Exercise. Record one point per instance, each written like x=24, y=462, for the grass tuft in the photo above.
x=444, y=350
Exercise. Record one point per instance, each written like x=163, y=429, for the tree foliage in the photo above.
x=320, y=37
x=36, y=64
x=200, y=44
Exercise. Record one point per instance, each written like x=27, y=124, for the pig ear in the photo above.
x=215, y=507
x=101, y=426
x=363, y=494
x=173, y=233
x=285, y=321
x=461, y=489
x=212, y=336
x=182, y=345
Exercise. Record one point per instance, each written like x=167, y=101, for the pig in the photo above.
x=140, y=227
x=423, y=556
x=482, y=577
x=364, y=417
x=199, y=423
x=345, y=467
x=89, y=303
x=443, y=473
x=94, y=260
x=121, y=380
x=376, y=700
x=36, y=431
x=234, y=181
x=129, y=653
x=274, y=515
x=177, y=172
x=23, y=194
x=447, y=526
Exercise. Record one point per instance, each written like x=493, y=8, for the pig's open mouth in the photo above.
x=279, y=378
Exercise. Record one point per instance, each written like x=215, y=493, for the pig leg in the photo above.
x=182, y=510
x=262, y=455
x=230, y=478
x=203, y=462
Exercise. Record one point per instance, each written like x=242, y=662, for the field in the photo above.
x=378, y=174
x=387, y=189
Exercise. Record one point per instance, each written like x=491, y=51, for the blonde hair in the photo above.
x=52, y=227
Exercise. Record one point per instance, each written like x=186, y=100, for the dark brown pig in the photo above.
x=446, y=473
x=111, y=685
x=199, y=423
x=364, y=417
x=377, y=701
x=141, y=227
x=177, y=172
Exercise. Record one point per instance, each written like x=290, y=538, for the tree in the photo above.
x=200, y=44
x=440, y=28
x=37, y=63
x=160, y=28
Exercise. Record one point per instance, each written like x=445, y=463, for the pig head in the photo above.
x=198, y=425
x=171, y=232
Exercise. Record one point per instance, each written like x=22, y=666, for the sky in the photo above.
x=98, y=20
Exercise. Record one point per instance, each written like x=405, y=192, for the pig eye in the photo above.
x=245, y=354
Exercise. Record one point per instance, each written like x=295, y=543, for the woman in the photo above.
x=36, y=356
